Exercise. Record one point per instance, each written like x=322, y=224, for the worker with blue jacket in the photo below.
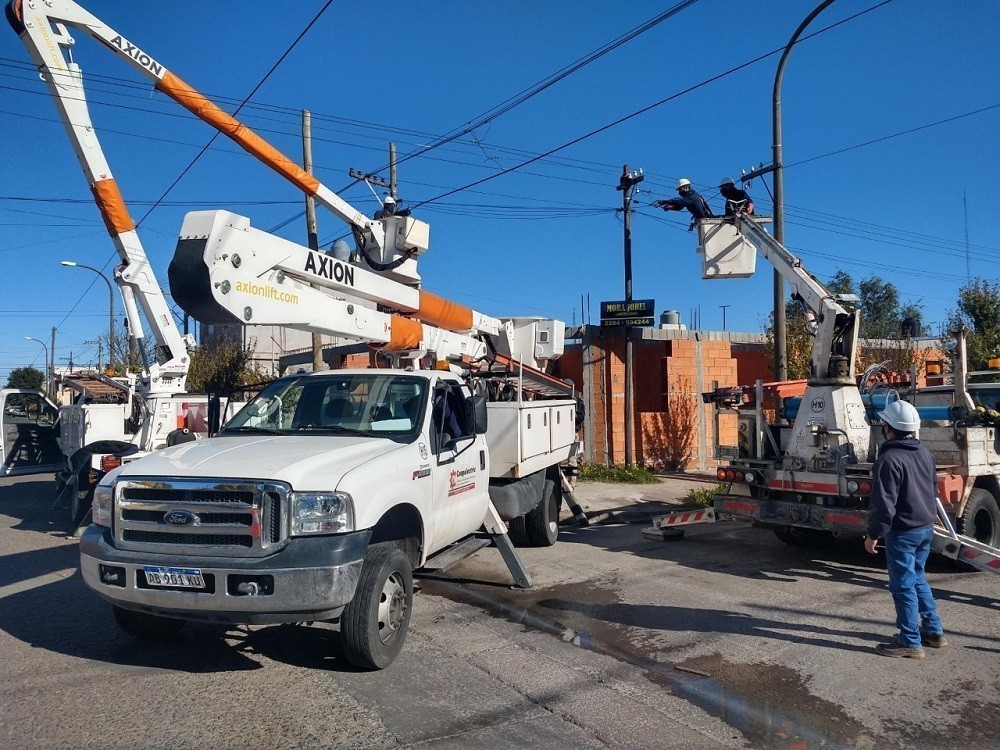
x=902, y=511
x=687, y=198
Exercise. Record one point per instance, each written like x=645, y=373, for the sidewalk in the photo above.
x=624, y=503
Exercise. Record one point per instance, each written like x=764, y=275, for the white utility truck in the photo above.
x=806, y=474
x=322, y=495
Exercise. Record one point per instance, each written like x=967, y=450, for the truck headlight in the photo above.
x=321, y=513
x=104, y=500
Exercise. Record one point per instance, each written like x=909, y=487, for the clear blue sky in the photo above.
x=531, y=241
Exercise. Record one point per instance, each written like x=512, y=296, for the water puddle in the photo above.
x=769, y=704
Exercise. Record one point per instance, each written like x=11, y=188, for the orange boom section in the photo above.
x=113, y=210
x=438, y=311
x=404, y=335
x=191, y=100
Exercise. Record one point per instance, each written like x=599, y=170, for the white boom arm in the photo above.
x=43, y=29
x=226, y=272
x=836, y=327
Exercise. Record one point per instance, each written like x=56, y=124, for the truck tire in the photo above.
x=518, y=532
x=542, y=522
x=981, y=519
x=145, y=627
x=374, y=623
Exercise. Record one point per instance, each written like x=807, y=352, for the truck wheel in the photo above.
x=144, y=627
x=518, y=532
x=981, y=519
x=373, y=626
x=542, y=522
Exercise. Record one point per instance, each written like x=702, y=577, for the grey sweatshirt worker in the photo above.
x=904, y=488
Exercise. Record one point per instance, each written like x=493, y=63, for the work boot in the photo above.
x=932, y=640
x=896, y=649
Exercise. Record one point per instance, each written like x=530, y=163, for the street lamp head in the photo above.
x=67, y=263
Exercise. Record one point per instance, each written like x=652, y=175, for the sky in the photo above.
x=891, y=126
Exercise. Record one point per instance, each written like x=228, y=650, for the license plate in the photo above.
x=185, y=578
x=727, y=451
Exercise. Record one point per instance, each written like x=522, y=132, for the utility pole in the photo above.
x=311, y=231
x=52, y=360
x=724, y=315
x=627, y=185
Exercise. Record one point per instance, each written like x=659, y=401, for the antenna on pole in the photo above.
x=965, y=208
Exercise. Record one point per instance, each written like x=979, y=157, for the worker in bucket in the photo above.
x=737, y=200
x=687, y=198
x=903, y=507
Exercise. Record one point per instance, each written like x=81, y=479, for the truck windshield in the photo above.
x=380, y=405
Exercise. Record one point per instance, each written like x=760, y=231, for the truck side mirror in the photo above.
x=476, y=414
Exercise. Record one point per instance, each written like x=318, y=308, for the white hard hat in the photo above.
x=389, y=199
x=726, y=181
x=901, y=416
x=683, y=182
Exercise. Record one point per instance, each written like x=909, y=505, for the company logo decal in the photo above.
x=330, y=268
x=267, y=292
x=179, y=518
x=461, y=480
x=138, y=55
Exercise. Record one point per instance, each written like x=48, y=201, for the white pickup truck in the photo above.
x=318, y=500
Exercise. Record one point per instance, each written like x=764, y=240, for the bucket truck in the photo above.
x=807, y=473
x=319, y=499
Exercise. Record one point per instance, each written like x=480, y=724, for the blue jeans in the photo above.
x=906, y=553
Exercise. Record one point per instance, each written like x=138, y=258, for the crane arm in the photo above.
x=835, y=326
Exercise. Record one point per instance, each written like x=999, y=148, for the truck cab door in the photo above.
x=460, y=466
x=29, y=442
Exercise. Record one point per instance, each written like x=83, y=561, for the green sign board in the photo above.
x=633, y=312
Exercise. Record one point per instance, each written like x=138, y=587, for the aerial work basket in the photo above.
x=725, y=252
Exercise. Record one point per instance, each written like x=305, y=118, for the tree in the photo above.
x=880, y=317
x=26, y=377
x=841, y=283
x=222, y=366
x=979, y=310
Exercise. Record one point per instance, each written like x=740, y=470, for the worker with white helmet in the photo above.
x=688, y=199
x=737, y=200
x=902, y=511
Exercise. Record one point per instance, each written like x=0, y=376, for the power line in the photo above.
x=895, y=135
x=649, y=107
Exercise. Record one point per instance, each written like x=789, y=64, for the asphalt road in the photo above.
x=724, y=639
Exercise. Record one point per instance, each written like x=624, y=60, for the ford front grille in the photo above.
x=211, y=517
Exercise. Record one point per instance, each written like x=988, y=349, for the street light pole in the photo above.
x=627, y=185
x=111, y=308
x=780, y=331
x=724, y=315
x=45, y=349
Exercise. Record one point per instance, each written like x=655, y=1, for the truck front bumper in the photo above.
x=311, y=578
